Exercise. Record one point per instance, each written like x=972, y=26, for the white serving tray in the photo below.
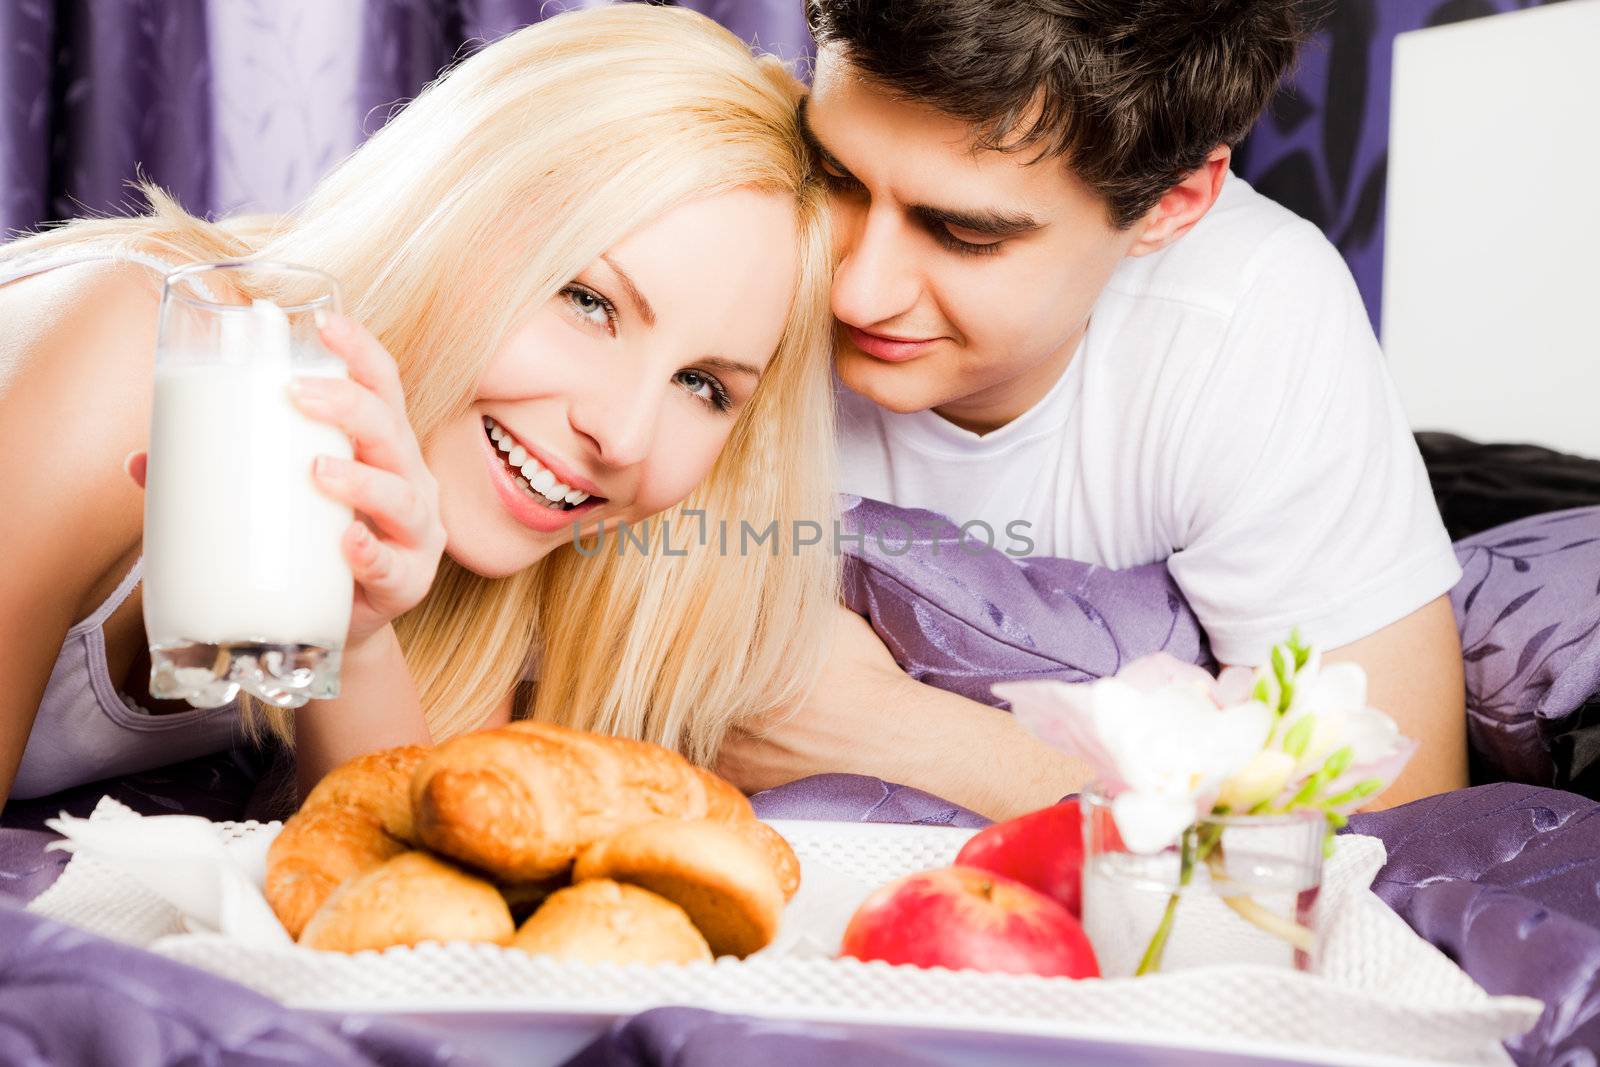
x=1384, y=995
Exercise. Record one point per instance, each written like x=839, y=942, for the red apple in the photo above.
x=964, y=918
x=1043, y=849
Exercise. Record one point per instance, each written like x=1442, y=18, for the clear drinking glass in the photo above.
x=1249, y=895
x=244, y=583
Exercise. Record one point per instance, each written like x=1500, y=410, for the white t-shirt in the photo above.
x=1228, y=411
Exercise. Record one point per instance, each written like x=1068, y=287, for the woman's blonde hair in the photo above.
x=484, y=197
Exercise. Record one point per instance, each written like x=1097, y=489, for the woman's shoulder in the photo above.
x=55, y=274
x=76, y=362
x=95, y=313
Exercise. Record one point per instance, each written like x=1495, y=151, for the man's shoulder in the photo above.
x=1244, y=239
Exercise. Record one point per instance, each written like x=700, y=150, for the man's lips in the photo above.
x=892, y=349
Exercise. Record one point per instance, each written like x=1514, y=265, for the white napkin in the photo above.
x=814, y=921
x=216, y=884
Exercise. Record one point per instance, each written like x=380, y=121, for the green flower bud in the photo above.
x=1339, y=762
x=1313, y=785
x=1263, y=693
x=1299, y=735
x=1302, y=651
x=1360, y=791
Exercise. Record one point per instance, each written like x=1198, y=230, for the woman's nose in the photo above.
x=618, y=414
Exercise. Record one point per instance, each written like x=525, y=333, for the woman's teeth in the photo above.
x=530, y=474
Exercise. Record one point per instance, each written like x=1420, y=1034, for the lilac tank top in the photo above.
x=85, y=729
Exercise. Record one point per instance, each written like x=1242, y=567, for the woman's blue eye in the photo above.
x=590, y=306
x=706, y=388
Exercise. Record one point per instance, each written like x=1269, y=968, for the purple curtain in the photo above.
x=239, y=105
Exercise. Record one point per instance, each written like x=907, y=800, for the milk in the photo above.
x=240, y=546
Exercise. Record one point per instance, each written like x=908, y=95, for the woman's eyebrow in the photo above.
x=731, y=365
x=637, y=298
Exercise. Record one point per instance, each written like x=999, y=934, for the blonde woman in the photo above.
x=593, y=248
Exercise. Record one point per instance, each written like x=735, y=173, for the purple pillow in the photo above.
x=962, y=616
x=1529, y=612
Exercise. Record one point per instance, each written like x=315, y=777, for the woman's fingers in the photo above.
x=389, y=580
x=380, y=434
x=369, y=362
x=394, y=505
x=394, y=547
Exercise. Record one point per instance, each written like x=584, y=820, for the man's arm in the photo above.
x=1414, y=674
x=866, y=716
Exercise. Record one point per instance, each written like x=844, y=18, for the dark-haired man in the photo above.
x=1057, y=306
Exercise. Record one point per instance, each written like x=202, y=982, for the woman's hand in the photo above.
x=394, y=545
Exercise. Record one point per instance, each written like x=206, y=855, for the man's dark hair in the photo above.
x=1134, y=94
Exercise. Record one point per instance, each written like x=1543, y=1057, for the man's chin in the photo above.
x=899, y=387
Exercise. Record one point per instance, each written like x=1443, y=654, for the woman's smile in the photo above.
x=531, y=490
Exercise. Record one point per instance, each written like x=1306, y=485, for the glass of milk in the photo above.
x=245, y=587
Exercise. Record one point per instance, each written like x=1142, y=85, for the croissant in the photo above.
x=511, y=810
x=356, y=819
x=520, y=802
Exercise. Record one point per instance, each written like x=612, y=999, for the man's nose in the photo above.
x=618, y=413
x=878, y=276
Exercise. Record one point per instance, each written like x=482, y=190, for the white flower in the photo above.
x=1328, y=713
x=1161, y=735
x=1263, y=778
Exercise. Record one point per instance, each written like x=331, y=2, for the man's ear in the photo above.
x=1183, y=205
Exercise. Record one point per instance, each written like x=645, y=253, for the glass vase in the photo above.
x=1238, y=889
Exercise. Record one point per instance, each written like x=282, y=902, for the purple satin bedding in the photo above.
x=1528, y=608
x=1505, y=878
x=963, y=617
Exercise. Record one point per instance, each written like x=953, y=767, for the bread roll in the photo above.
x=602, y=921
x=725, y=884
x=724, y=803
x=525, y=898
x=317, y=850
x=785, y=864
x=409, y=899
x=518, y=804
